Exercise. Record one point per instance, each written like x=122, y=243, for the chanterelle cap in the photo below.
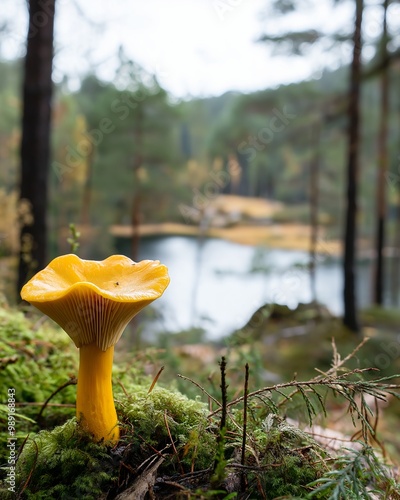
x=93, y=301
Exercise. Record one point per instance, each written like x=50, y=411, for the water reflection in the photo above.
x=215, y=284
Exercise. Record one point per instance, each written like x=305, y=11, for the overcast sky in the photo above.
x=195, y=47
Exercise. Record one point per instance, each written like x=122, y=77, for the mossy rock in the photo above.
x=271, y=318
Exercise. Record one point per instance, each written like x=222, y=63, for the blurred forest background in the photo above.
x=311, y=166
x=276, y=208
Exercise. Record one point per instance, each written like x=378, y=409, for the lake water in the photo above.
x=217, y=285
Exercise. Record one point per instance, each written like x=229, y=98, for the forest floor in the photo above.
x=281, y=344
x=283, y=349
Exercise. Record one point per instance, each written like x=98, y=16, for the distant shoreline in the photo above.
x=244, y=220
x=286, y=236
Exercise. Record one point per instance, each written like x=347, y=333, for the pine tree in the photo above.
x=35, y=144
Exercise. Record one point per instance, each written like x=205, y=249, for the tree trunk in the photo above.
x=395, y=267
x=382, y=168
x=136, y=209
x=350, y=318
x=136, y=202
x=314, y=202
x=35, y=144
x=87, y=191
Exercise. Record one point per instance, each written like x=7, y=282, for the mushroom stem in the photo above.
x=95, y=408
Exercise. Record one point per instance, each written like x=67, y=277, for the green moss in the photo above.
x=285, y=458
x=45, y=356
x=64, y=463
x=37, y=357
x=151, y=417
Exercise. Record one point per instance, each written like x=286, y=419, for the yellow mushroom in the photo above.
x=93, y=301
